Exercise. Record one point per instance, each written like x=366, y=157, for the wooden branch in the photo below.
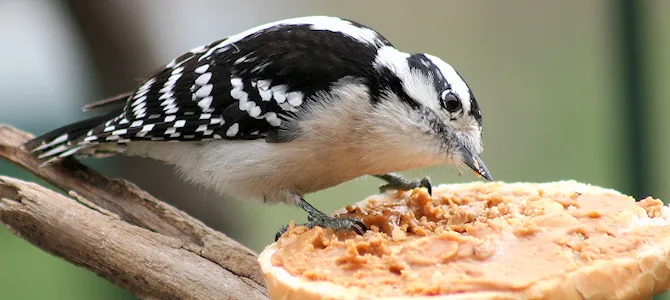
x=122, y=233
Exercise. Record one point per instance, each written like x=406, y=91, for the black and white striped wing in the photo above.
x=242, y=87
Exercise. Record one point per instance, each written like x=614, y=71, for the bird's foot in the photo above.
x=397, y=182
x=317, y=218
x=347, y=223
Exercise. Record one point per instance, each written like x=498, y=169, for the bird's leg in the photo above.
x=318, y=218
x=397, y=182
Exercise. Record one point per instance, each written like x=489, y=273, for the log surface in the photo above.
x=122, y=233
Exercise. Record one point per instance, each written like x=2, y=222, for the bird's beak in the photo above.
x=476, y=163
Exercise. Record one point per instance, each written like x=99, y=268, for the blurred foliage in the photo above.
x=544, y=73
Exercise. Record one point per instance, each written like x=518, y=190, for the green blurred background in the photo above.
x=557, y=81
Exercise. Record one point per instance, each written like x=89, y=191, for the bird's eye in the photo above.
x=450, y=101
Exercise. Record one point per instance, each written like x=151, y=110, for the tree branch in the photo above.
x=122, y=233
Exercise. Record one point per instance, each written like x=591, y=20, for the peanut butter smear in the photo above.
x=481, y=238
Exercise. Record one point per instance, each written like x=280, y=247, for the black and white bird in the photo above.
x=286, y=109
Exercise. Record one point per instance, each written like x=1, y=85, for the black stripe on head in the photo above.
x=474, y=106
x=474, y=109
x=389, y=81
x=426, y=66
x=419, y=62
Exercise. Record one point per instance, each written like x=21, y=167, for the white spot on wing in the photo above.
x=70, y=152
x=205, y=103
x=236, y=82
x=260, y=67
x=264, y=84
x=279, y=93
x=201, y=69
x=177, y=70
x=272, y=119
x=147, y=85
x=166, y=88
x=172, y=63
x=294, y=98
x=204, y=91
x=198, y=49
x=233, y=130
x=244, y=105
x=140, y=112
x=240, y=60
x=173, y=78
x=139, y=106
x=170, y=106
x=140, y=93
x=168, y=102
x=203, y=79
x=120, y=131
x=59, y=139
x=139, y=100
x=239, y=95
x=266, y=95
x=255, y=112
x=168, y=94
x=287, y=107
x=145, y=129
x=179, y=123
x=53, y=151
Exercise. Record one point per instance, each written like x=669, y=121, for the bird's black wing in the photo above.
x=242, y=87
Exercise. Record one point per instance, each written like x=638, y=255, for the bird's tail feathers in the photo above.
x=65, y=141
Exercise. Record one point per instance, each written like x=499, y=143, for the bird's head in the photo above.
x=443, y=107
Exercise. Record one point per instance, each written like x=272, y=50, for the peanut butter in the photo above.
x=483, y=238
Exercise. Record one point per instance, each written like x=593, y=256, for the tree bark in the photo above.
x=122, y=233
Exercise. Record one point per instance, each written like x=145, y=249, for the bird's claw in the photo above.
x=399, y=183
x=346, y=223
